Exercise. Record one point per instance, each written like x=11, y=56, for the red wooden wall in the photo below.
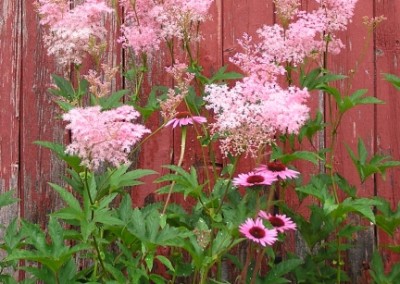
x=27, y=112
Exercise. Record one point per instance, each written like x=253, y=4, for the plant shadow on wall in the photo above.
x=236, y=220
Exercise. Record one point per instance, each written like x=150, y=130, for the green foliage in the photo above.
x=318, y=78
x=393, y=79
x=378, y=274
x=68, y=96
x=387, y=219
x=153, y=101
x=377, y=164
x=220, y=76
x=109, y=102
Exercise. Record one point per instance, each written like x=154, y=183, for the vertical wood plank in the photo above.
x=357, y=62
x=10, y=58
x=239, y=17
x=209, y=55
x=39, y=121
x=157, y=151
x=387, y=54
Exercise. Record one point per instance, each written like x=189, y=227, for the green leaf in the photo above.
x=59, y=150
x=65, y=88
x=318, y=78
x=166, y=262
x=7, y=198
x=56, y=233
x=376, y=165
x=356, y=99
x=194, y=101
x=294, y=156
x=387, y=219
x=153, y=101
x=311, y=127
x=275, y=275
x=394, y=80
x=67, y=197
x=222, y=75
x=112, y=101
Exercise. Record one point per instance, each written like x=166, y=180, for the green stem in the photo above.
x=257, y=266
x=228, y=186
x=270, y=198
x=243, y=275
x=182, y=154
x=96, y=245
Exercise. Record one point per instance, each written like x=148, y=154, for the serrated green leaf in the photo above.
x=56, y=233
x=394, y=80
x=65, y=88
x=281, y=269
x=7, y=198
x=112, y=101
x=67, y=197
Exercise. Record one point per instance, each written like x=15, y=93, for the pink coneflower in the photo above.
x=254, y=179
x=278, y=169
x=184, y=118
x=280, y=222
x=256, y=231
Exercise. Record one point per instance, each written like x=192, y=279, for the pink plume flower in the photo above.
x=148, y=23
x=73, y=33
x=257, y=232
x=280, y=222
x=103, y=136
x=248, y=115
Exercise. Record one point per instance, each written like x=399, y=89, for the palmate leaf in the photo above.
x=277, y=154
x=67, y=197
x=361, y=206
x=387, y=219
x=109, y=102
x=378, y=164
x=59, y=150
x=7, y=198
x=394, y=80
x=318, y=78
x=378, y=274
x=357, y=98
x=277, y=272
x=153, y=101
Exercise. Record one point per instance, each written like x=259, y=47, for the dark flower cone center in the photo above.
x=183, y=114
x=276, y=222
x=257, y=232
x=276, y=166
x=255, y=179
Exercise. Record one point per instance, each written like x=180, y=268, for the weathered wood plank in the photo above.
x=39, y=121
x=387, y=54
x=356, y=62
x=10, y=91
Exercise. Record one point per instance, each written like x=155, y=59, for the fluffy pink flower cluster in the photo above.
x=103, y=136
x=149, y=22
x=72, y=32
x=249, y=114
x=252, y=112
x=175, y=96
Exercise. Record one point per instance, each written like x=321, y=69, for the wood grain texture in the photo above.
x=10, y=92
x=28, y=113
x=356, y=62
x=38, y=121
x=387, y=55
